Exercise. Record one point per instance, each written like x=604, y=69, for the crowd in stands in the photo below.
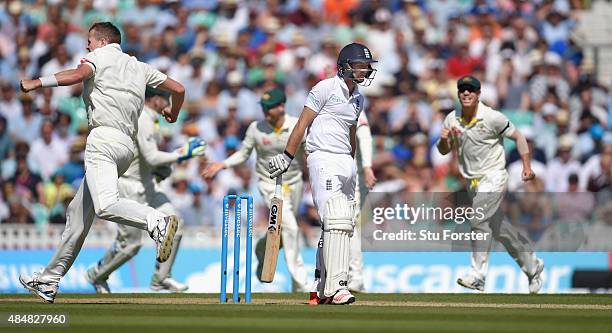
x=227, y=52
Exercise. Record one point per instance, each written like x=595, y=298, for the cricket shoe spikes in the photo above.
x=101, y=286
x=535, y=281
x=46, y=291
x=168, y=284
x=471, y=282
x=163, y=235
x=343, y=296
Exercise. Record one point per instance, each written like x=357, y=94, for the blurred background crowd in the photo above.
x=529, y=55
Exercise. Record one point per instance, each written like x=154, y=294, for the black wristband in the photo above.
x=288, y=155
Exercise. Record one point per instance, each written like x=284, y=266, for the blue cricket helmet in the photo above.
x=356, y=53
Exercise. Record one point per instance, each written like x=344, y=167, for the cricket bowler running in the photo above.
x=330, y=115
x=269, y=137
x=139, y=183
x=476, y=132
x=113, y=92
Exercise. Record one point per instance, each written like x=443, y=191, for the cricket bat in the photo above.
x=273, y=235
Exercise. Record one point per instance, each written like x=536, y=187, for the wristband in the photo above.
x=288, y=155
x=48, y=81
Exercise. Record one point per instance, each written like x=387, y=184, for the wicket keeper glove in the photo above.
x=279, y=164
x=194, y=147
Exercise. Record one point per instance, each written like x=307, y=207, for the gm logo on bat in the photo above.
x=273, y=217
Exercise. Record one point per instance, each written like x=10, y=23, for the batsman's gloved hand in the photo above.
x=194, y=147
x=162, y=172
x=279, y=164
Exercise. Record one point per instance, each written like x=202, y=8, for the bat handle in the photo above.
x=278, y=191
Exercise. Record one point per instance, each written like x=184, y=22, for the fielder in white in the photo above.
x=476, y=132
x=330, y=115
x=269, y=137
x=138, y=183
x=114, y=89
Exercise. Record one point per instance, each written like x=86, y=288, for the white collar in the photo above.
x=345, y=89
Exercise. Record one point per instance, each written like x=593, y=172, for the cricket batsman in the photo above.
x=365, y=181
x=113, y=92
x=330, y=114
x=138, y=184
x=476, y=132
x=269, y=137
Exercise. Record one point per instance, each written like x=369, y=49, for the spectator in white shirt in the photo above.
x=48, y=154
x=561, y=167
x=60, y=61
x=27, y=127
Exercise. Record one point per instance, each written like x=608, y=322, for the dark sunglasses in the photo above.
x=468, y=88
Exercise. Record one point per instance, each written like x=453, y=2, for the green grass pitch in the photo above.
x=170, y=313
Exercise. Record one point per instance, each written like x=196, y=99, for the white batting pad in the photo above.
x=339, y=213
x=336, y=259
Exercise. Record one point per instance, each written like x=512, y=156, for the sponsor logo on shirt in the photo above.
x=337, y=100
x=328, y=185
x=265, y=141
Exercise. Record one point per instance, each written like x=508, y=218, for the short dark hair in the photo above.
x=106, y=30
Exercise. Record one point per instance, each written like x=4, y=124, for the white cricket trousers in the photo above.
x=108, y=155
x=129, y=239
x=290, y=232
x=488, y=192
x=329, y=174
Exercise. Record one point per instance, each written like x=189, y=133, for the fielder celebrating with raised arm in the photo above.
x=330, y=114
x=138, y=183
x=114, y=91
x=269, y=137
x=476, y=132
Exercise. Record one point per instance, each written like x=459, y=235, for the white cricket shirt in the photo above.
x=336, y=112
x=114, y=95
x=480, y=145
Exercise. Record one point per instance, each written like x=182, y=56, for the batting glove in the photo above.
x=279, y=164
x=194, y=147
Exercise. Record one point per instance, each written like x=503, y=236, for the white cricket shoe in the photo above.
x=471, y=282
x=101, y=286
x=168, y=284
x=46, y=291
x=535, y=281
x=163, y=235
x=343, y=296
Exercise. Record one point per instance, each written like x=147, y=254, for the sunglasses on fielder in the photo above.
x=468, y=88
